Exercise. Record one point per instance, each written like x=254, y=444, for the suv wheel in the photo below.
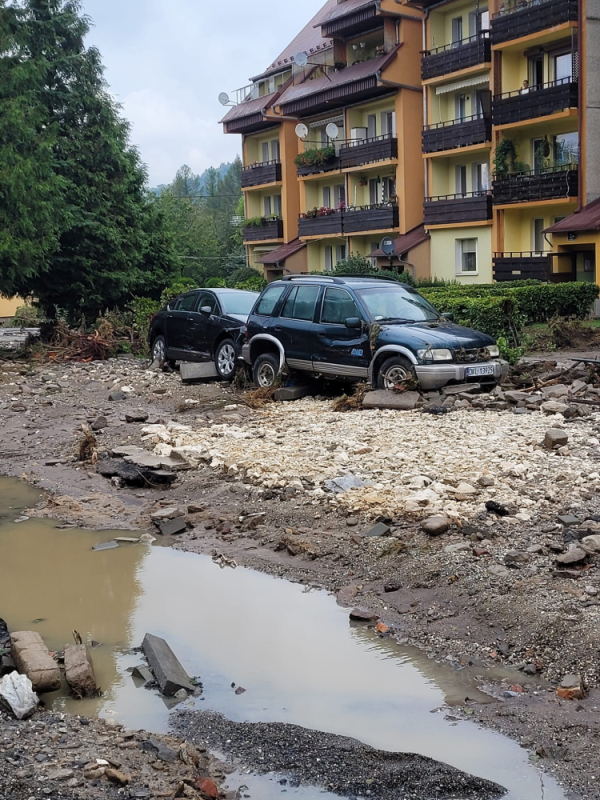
x=265, y=371
x=225, y=359
x=394, y=371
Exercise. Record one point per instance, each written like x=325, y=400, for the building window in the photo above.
x=566, y=149
x=457, y=30
x=340, y=253
x=339, y=195
x=538, y=236
x=481, y=177
x=536, y=71
x=326, y=197
x=466, y=256
x=563, y=67
x=371, y=126
x=275, y=155
x=267, y=204
x=374, y=191
x=388, y=123
x=461, y=106
x=328, y=259
x=265, y=151
x=461, y=179
x=277, y=205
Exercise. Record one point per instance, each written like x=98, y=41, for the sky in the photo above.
x=167, y=61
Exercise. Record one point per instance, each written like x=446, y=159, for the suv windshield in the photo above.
x=392, y=303
x=238, y=302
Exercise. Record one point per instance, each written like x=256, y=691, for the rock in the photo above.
x=136, y=416
x=461, y=388
x=60, y=774
x=465, y=489
x=344, y=483
x=99, y=424
x=555, y=437
x=397, y=401
x=435, y=526
x=515, y=558
x=169, y=674
x=554, y=407
x=578, y=387
x=207, y=788
x=166, y=513
x=144, y=459
x=162, y=752
x=144, y=673
x=352, y=522
x=498, y=571
x=514, y=397
x=360, y=615
x=132, y=475
x=32, y=658
x=530, y=669
x=496, y=508
x=535, y=549
x=290, y=393
x=114, y=776
x=380, y=529
x=591, y=544
x=116, y=396
x=571, y=688
x=392, y=586
x=457, y=548
x=105, y=546
x=485, y=480
x=172, y=527
x=574, y=555
x=569, y=519
x=553, y=392
x=148, y=538
x=79, y=671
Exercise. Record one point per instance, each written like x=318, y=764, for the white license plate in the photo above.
x=476, y=372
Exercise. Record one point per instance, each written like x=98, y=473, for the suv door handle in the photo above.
x=278, y=328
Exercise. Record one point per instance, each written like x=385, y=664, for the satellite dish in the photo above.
x=301, y=130
x=301, y=59
x=224, y=98
x=388, y=246
x=332, y=130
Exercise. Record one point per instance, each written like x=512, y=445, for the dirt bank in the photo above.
x=488, y=591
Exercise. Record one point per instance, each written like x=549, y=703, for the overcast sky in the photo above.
x=168, y=60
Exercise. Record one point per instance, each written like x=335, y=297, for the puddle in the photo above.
x=292, y=649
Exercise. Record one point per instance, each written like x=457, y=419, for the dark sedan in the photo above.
x=203, y=325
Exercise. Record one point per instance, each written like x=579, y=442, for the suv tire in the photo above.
x=225, y=359
x=159, y=351
x=265, y=371
x=394, y=371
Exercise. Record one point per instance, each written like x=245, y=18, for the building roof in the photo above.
x=283, y=252
x=249, y=107
x=405, y=242
x=308, y=41
x=345, y=7
x=586, y=219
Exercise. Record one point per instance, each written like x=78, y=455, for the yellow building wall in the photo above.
x=253, y=146
x=315, y=253
x=314, y=191
x=255, y=201
x=443, y=171
x=443, y=254
x=440, y=24
x=8, y=306
x=518, y=225
x=358, y=117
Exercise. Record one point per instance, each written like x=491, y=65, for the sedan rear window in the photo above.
x=238, y=302
x=392, y=303
x=269, y=300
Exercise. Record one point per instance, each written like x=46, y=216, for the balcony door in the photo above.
x=373, y=192
x=388, y=123
x=538, y=236
x=461, y=107
x=481, y=177
x=461, y=179
x=265, y=151
x=457, y=30
x=563, y=68
x=536, y=71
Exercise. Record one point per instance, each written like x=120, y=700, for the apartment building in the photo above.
x=509, y=144
x=332, y=141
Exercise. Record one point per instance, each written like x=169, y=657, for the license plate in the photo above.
x=476, y=372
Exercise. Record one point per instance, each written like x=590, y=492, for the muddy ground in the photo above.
x=452, y=595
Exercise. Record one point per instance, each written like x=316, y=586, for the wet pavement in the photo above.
x=291, y=648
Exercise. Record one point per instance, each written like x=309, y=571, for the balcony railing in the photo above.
x=537, y=101
x=548, y=184
x=260, y=174
x=355, y=22
x=526, y=18
x=380, y=217
x=268, y=229
x=456, y=56
x=463, y=207
x=457, y=133
x=367, y=151
x=521, y=266
x=341, y=222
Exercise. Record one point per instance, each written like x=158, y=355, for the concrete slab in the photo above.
x=171, y=527
x=105, y=546
x=190, y=371
x=32, y=658
x=398, y=401
x=289, y=393
x=79, y=670
x=168, y=671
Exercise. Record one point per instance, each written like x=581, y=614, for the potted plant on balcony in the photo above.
x=315, y=157
x=254, y=222
x=506, y=160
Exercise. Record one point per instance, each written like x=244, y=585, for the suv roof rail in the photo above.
x=367, y=276
x=311, y=277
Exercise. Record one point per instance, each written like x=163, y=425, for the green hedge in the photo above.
x=495, y=316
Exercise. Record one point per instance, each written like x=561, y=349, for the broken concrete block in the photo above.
x=143, y=673
x=168, y=671
x=554, y=407
x=289, y=393
x=380, y=529
x=166, y=513
x=32, y=658
x=397, y=401
x=105, y=546
x=555, y=437
x=194, y=372
x=571, y=688
x=360, y=615
x=171, y=527
x=553, y=392
x=136, y=416
x=79, y=670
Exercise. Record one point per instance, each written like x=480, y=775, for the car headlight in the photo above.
x=493, y=351
x=435, y=355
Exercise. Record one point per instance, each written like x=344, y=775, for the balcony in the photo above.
x=521, y=266
x=261, y=174
x=321, y=222
x=552, y=184
x=381, y=217
x=530, y=17
x=457, y=133
x=343, y=24
x=367, y=151
x=539, y=101
x=456, y=56
x=267, y=230
x=453, y=208
x=317, y=159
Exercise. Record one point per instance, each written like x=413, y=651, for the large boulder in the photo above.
x=79, y=671
x=32, y=658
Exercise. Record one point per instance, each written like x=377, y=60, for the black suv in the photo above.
x=203, y=325
x=360, y=328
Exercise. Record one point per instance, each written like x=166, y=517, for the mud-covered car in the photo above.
x=363, y=328
x=203, y=325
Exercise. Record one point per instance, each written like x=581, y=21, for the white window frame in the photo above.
x=328, y=258
x=459, y=252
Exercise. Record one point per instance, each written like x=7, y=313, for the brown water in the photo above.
x=291, y=648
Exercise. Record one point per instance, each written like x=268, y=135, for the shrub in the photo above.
x=315, y=157
x=181, y=286
x=256, y=283
x=26, y=317
x=496, y=316
x=143, y=309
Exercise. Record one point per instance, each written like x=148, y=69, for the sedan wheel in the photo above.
x=159, y=350
x=225, y=360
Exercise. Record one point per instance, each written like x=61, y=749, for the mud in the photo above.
x=465, y=624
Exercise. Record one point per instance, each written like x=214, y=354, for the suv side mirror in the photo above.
x=448, y=316
x=353, y=322
x=206, y=310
